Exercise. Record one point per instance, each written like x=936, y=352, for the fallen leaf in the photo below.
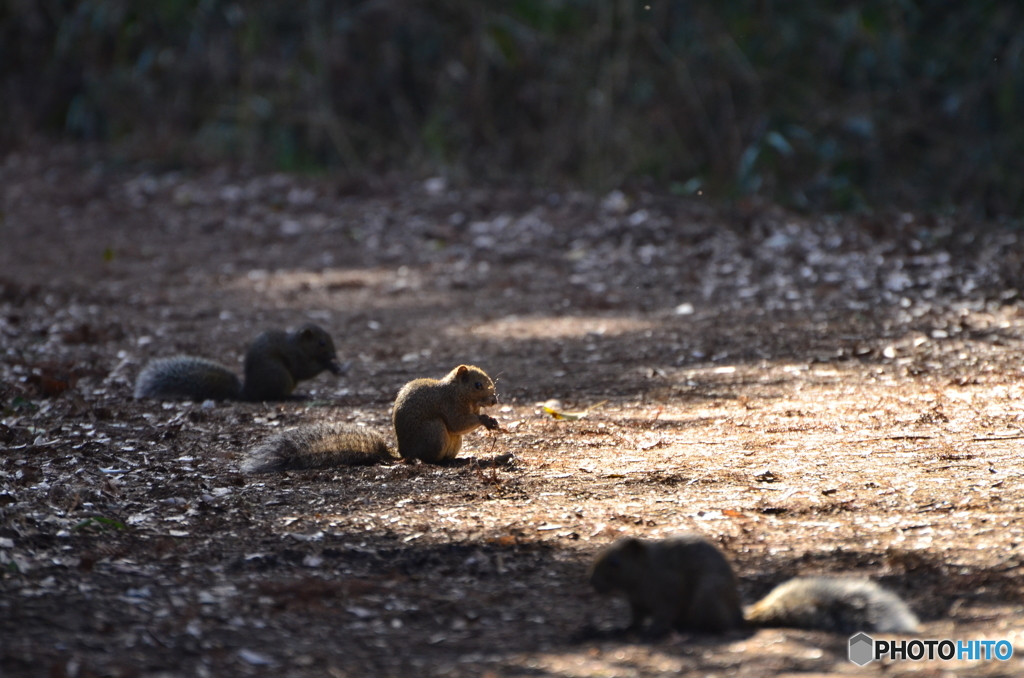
x=570, y=416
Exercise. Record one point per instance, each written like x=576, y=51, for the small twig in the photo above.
x=699, y=442
x=486, y=479
x=991, y=438
x=874, y=440
x=981, y=439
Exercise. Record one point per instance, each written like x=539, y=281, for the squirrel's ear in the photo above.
x=307, y=332
x=461, y=370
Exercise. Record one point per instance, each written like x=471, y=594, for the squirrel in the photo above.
x=274, y=363
x=686, y=582
x=430, y=417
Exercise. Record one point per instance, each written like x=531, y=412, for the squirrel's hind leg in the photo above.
x=432, y=443
x=452, y=446
x=714, y=610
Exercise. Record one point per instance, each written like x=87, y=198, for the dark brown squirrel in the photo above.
x=274, y=363
x=686, y=583
x=430, y=417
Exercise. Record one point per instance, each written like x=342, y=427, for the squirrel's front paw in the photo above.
x=490, y=423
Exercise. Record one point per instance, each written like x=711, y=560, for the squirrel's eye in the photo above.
x=323, y=343
x=479, y=385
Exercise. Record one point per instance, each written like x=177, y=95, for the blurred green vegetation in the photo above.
x=820, y=104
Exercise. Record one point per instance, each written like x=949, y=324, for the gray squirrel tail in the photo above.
x=835, y=604
x=186, y=377
x=317, y=446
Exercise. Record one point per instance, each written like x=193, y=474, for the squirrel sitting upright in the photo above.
x=430, y=417
x=687, y=583
x=274, y=363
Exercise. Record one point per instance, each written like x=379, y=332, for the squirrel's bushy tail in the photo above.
x=317, y=446
x=186, y=377
x=836, y=604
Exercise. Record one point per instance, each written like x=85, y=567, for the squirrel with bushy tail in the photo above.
x=430, y=417
x=274, y=363
x=686, y=583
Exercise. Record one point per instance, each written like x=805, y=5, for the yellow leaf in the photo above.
x=570, y=416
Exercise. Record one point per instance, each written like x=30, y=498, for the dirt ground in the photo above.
x=815, y=394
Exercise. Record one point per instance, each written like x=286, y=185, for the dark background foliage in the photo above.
x=819, y=104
